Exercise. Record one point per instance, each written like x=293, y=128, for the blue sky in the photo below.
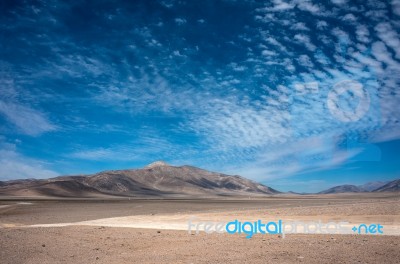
x=300, y=95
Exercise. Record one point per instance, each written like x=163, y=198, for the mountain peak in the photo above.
x=158, y=163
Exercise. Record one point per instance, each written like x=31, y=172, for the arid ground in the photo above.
x=155, y=231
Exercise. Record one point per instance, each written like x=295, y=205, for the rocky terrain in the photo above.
x=378, y=186
x=393, y=186
x=157, y=179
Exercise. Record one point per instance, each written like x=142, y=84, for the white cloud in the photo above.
x=396, y=7
x=291, y=158
x=27, y=120
x=305, y=40
x=180, y=21
x=308, y=6
x=339, y=2
x=268, y=53
x=168, y=3
x=16, y=166
x=389, y=36
x=362, y=33
x=102, y=154
x=349, y=18
x=381, y=53
x=387, y=134
x=280, y=5
x=143, y=148
x=300, y=26
x=322, y=25
x=305, y=61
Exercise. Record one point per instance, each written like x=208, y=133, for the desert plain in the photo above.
x=127, y=230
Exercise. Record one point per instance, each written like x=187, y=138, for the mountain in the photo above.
x=157, y=179
x=370, y=186
x=393, y=186
x=296, y=193
x=375, y=186
x=343, y=189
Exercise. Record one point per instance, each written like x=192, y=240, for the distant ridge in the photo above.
x=371, y=186
x=343, y=189
x=377, y=186
x=156, y=179
x=393, y=186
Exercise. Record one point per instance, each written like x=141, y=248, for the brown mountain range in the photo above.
x=157, y=179
x=378, y=186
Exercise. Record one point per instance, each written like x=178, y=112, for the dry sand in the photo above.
x=152, y=231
